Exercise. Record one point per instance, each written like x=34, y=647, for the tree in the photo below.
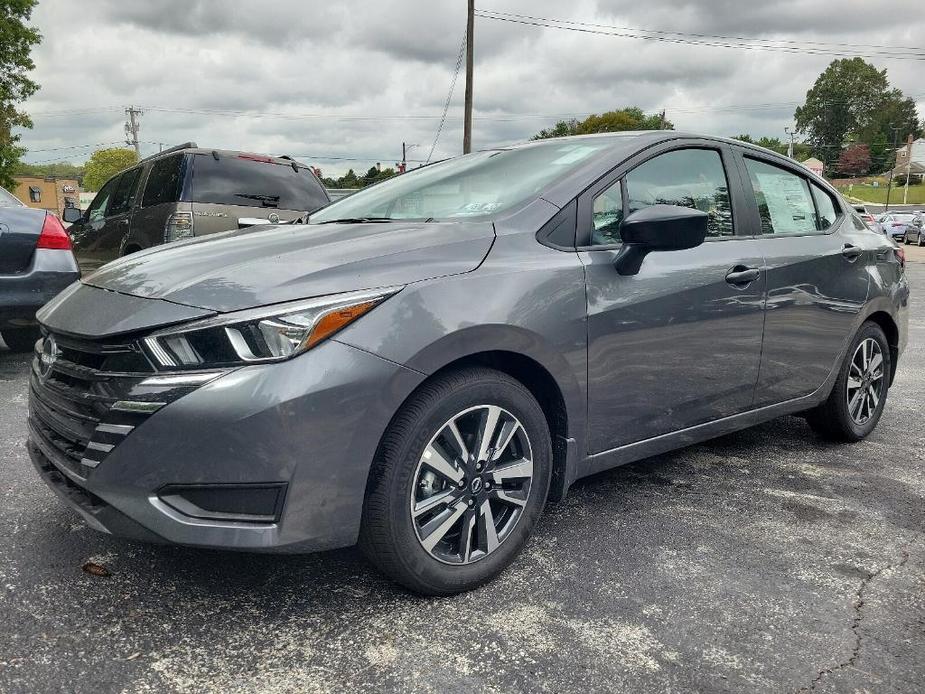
x=631, y=118
x=104, y=164
x=772, y=143
x=854, y=161
x=16, y=41
x=63, y=169
x=847, y=103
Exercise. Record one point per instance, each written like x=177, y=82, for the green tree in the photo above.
x=104, y=164
x=847, y=103
x=772, y=143
x=631, y=118
x=16, y=41
x=55, y=169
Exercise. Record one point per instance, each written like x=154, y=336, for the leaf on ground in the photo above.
x=96, y=570
x=134, y=656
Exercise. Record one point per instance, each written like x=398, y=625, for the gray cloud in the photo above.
x=391, y=61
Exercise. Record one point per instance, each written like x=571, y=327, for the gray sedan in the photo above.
x=428, y=362
x=36, y=263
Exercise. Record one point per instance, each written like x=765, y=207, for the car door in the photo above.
x=817, y=280
x=109, y=227
x=679, y=343
x=163, y=188
x=85, y=234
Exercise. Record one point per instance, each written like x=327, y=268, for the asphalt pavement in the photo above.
x=763, y=561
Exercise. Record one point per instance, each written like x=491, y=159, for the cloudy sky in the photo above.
x=342, y=84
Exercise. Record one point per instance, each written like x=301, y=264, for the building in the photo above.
x=814, y=165
x=50, y=193
x=915, y=152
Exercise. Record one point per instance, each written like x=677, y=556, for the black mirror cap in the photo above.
x=658, y=228
x=71, y=215
x=665, y=228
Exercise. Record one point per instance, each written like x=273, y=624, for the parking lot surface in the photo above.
x=763, y=561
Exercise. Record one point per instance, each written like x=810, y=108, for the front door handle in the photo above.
x=852, y=253
x=741, y=275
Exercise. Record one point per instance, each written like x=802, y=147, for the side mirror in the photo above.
x=71, y=215
x=658, y=228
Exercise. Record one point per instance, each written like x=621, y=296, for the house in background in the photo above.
x=50, y=193
x=914, y=152
x=814, y=165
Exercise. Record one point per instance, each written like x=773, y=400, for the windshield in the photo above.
x=474, y=185
x=7, y=199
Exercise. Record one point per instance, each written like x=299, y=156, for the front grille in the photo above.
x=73, y=408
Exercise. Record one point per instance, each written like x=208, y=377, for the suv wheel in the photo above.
x=20, y=339
x=856, y=402
x=459, y=481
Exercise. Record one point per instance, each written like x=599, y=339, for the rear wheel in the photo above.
x=20, y=339
x=856, y=402
x=460, y=480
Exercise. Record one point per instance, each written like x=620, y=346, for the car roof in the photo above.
x=222, y=153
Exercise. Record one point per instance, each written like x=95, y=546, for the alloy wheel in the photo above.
x=471, y=484
x=865, y=381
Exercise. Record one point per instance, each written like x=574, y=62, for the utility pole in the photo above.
x=889, y=183
x=467, y=124
x=908, y=167
x=405, y=148
x=132, y=127
x=792, y=134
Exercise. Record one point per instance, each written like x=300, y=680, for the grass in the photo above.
x=878, y=195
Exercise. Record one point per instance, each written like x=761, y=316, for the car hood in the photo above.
x=267, y=265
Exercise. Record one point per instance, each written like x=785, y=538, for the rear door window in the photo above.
x=165, y=182
x=255, y=182
x=124, y=194
x=785, y=204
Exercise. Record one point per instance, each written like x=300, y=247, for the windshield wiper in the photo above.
x=266, y=200
x=357, y=220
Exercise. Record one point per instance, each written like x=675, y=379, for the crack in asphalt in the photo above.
x=855, y=624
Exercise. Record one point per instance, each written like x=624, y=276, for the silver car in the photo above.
x=429, y=361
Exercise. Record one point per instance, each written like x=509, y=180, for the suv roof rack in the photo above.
x=175, y=148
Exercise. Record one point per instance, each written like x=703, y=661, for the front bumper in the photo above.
x=311, y=425
x=22, y=294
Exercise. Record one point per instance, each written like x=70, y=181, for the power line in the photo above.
x=449, y=96
x=918, y=50
x=635, y=34
x=59, y=149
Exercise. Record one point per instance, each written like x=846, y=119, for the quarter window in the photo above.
x=688, y=177
x=164, y=181
x=606, y=216
x=785, y=204
x=825, y=208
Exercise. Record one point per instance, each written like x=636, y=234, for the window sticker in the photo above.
x=790, y=210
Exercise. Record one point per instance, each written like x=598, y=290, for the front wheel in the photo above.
x=856, y=402
x=20, y=339
x=459, y=481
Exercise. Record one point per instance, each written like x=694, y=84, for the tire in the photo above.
x=832, y=419
x=906, y=240
x=921, y=241
x=389, y=535
x=20, y=339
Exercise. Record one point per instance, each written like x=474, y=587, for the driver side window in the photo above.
x=97, y=210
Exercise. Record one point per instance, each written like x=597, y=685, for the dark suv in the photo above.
x=189, y=191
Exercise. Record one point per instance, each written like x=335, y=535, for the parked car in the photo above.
x=433, y=358
x=187, y=191
x=868, y=218
x=914, y=232
x=897, y=223
x=35, y=264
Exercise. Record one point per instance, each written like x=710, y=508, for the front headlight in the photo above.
x=268, y=334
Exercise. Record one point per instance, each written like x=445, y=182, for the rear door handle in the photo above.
x=852, y=253
x=741, y=275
